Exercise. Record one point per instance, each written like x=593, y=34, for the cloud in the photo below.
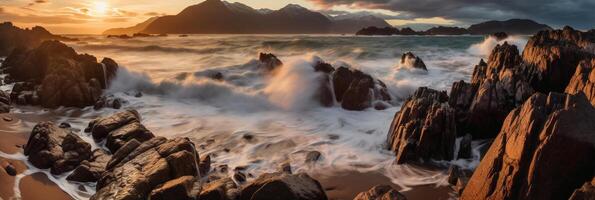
x=577, y=13
x=154, y=14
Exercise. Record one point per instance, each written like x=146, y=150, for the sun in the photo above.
x=100, y=7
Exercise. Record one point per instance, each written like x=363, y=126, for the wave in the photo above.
x=151, y=48
x=485, y=48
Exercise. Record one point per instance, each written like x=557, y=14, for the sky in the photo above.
x=95, y=16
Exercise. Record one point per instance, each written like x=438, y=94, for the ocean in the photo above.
x=260, y=121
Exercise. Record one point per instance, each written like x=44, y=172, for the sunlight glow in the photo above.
x=100, y=7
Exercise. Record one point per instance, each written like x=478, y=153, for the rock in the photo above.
x=465, y=151
x=324, y=67
x=444, y=30
x=52, y=147
x=462, y=182
x=552, y=57
x=324, y=94
x=239, y=177
x=544, y=151
x=91, y=170
x=140, y=171
x=313, y=156
x=583, y=80
x=479, y=72
x=109, y=102
x=12, y=37
x=133, y=130
x=218, y=190
x=358, y=96
x=63, y=77
x=4, y=102
x=64, y=125
x=10, y=170
x=499, y=36
x=454, y=172
x=179, y=188
x=586, y=192
x=378, y=31
x=101, y=127
x=380, y=192
x=204, y=166
x=410, y=60
x=283, y=186
x=342, y=78
x=269, y=62
x=425, y=128
x=286, y=168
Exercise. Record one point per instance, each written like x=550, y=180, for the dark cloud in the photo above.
x=577, y=13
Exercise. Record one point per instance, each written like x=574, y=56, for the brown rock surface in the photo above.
x=283, y=186
x=586, y=192
x=584, y=80
x=424, y=128
x=525, y=160
x=380, y=192
x=414, y=61
x=91, y=170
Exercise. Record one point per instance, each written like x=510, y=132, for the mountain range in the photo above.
x=221, y=17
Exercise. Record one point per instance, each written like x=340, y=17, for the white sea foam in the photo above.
x=484, y=48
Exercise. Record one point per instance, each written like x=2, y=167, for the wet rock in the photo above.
x=499, y=36
x=4, y=102
x=313, y=156
x=133, y=130
x=101, y=127
x=218, y=190
x=60, y=75
x=342, y=78
x=179, y=188
x=109, y=102
x=205, y=165
x=454, y=172
x=465, y=151
x=58, y=149
x=283, y=186
x=380, y=192
x=410, y=60
x=552, y=57
x=479, y=72
x=10, y=170
x=324, y=94
x=324, y=67
x=425, y=128
x=286, y=168
x=584, y=80
x=544, y=151
x=586, y=192
x=91, y=170
x=462, y=182
x=269, y=62
x=239, y=177
x=138, y=171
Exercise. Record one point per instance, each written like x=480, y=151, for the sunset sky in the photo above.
x=95, y=16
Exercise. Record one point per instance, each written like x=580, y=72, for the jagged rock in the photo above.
x=586, y=192
x=544, y=151
x=342, y=78
x=409, y=59
x=453, y=174
x=239, y=177
x=52, y=147
x=12, y=37
x=4, y=102
x=425, y=128
x=355, y=89
x=465, y=151
x=60, y=75
x=499, y=36
x=584, y=80
x=380, y=192
x=218, y=190
x=137, y=171
x=91, y=170
x=552, y=57
x=133, y=130
x=101, y=127
x=108, y=102
x=283, y=186
x=269, y=62
x=479, y=72
x=179, y=188
x=204, y=166
x=323, y=67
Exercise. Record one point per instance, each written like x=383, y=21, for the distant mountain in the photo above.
x=130, y=30
x=215, y=16
x=512, y=26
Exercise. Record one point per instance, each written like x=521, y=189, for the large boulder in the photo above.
x=410, y=60
x=283, y=186
x=552, y=57
x=60, y=76
x=380, y=192
x=58, y=149
x=544, y=151
x=357, y=90
x=91, y=170
x=425, y=128
x=269, y=62
x=156, y=168
x=584, y=80
x=12, y=37
x=101, y=127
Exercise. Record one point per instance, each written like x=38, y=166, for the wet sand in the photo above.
x=14, y=134
x=346, y=185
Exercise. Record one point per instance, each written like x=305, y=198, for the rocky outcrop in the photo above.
x=445, y=30
x=269, y=62
x=583, y=80
x=91, y=170
x=58, y=149
x=152, y=168
x=380, y=192
x=378, y=31
x=552, y=57
x=544, y=151
x=57, y=76
x=424, y=129
x=586, y=192
x=410, y=60
x=499, y=36
x=118, y=129
x=12, y=37
x=357, y=90
x=286, y=186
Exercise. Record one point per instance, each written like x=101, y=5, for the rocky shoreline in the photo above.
x=543, y=140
